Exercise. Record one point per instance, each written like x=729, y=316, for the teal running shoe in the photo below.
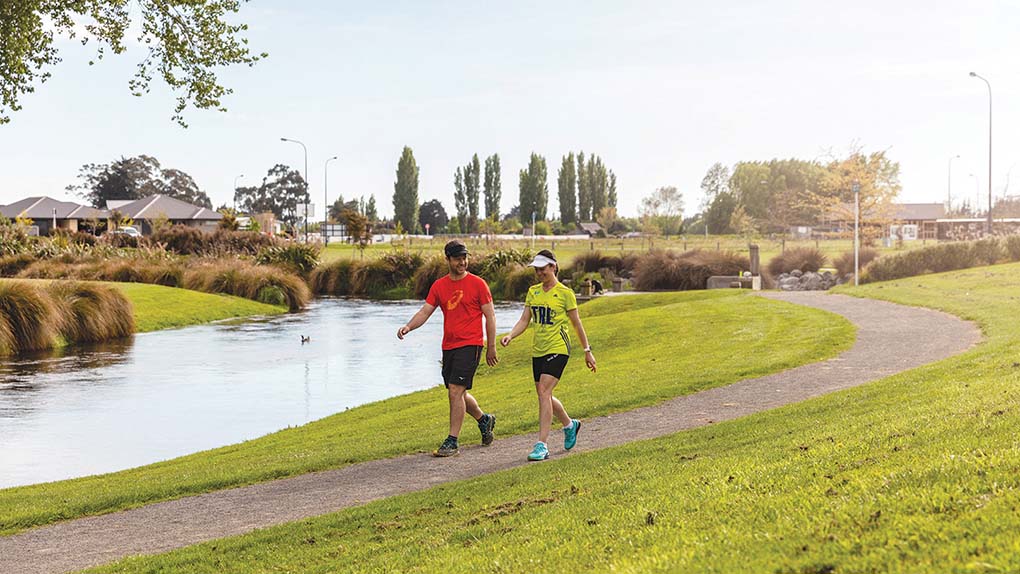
x=540, y=452
x=570, y=434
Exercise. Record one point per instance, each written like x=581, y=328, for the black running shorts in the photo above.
x=549, y=365
x=460, y=364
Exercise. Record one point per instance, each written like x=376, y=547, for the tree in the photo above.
x=583, y=190
x=567, y=184
x=663, y=209
x=878, y=179
x=472, y=188
x=607, y=218
x=534, y=190
x=493, y=188
x=612, y=189
x=598, y=184
x=715, y=183
x=433, y=214
x=460, y=202
x=357, y=229
x=371, y=214
x=336, y=211
x=185, y=42
x=405, y=191
x=720, y=213
x=135, y=178
x=281, y=191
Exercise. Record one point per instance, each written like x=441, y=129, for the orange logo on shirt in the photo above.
x=455, y=300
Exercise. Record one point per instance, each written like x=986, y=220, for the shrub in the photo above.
x=517, y=282
x=988, y=251
x=402, y=264
x=934, y=259
x=595, y=261
x=182, y=239
x=844, y=264
x=75, y=237
x=11, y=265
x=489, y=265
x=334, y=278
x=1012, y=245
x=27, y=318
x=432, y=269
x=300, y=258
x=372, y=278
x=91, y=312
x=684, y=271
x=799, y=258
x=13, y=238
x=240, y=242
x=119, y=241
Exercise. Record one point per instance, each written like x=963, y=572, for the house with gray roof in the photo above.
x=156, y=207
x=47, y=213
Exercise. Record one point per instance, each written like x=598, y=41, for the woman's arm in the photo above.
x=589, y=358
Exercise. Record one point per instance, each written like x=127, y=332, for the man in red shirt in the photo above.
x=464, y=298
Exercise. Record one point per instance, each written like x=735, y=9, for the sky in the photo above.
x=659, y=90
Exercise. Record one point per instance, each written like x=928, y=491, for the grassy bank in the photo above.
x=913, y=473
x=757, y=336
x=157, y=307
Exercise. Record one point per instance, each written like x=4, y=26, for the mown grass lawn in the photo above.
x=157, y=307
x=683, y=342
x=919, y=472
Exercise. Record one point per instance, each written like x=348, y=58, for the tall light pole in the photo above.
x=949, y=193
x=239, y=176
x=857, y=231
x=325, y=198
x=973, y=75
x=306, y=181
x=977, y=193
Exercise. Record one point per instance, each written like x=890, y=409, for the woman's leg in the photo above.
x=544, y=387
x=560, y=412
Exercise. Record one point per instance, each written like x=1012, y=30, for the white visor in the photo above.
x=541, y=261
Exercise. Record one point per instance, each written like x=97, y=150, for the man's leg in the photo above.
x=457, y=407
x=471, y=406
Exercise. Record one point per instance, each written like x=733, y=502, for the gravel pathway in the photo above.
x=891, y=338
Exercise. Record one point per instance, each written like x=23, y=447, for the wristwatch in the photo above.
x=587, y=349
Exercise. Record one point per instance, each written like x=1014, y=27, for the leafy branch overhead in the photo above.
x=186, y=40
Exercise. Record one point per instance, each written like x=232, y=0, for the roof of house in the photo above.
x=42, y=207
x=591, y=227
x=162, y=206
x=919, y=211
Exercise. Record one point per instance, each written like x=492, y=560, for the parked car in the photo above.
x=127, y=230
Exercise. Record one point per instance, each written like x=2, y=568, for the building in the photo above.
x=916, y=220
x=161, y=207
x=47, y=214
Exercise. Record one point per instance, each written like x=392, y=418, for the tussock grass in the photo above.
x=912, y=473
x=798, y=258
x=844, y=263
x=662, y=332
x=432, y=269
x=28, y=316
x=266, y=284
x=333, y=278
x=517, y=283
x=91, y=312
x=661, y=270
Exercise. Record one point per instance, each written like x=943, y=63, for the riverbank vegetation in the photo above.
x=912, y=473
x=761, y=336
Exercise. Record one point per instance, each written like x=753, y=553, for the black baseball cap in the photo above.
x=456, y=248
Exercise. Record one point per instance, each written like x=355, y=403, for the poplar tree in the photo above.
x=567, y=182
x=583, y=190
x=493, y=188
x=534, y=190
x=405, y=191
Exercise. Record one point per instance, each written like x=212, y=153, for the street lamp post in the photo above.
x=977, y=193
x=949, y=193
x=325, y=199
x=306, y=181
x=857, y=232
x=235, y=192
x=973, y=75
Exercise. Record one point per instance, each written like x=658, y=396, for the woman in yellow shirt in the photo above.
x=549, y=306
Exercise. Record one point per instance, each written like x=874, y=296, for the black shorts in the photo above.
x=459, y=365
x=549, y=365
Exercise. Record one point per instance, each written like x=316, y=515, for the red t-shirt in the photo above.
x=461, y=302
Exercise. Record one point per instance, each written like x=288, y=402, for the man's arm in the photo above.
x=418, y=320
x=490, y=333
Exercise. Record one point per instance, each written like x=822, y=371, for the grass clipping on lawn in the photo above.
x=666, y=334
x=913, y=473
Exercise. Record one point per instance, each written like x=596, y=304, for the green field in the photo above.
x=762, y=336
x=157, y=307
x=919, y=472
x=567, y=249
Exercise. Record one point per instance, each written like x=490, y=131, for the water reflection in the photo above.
x=170, y=393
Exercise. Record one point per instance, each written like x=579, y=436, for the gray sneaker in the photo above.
x=486, y=424
x=448, y=448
